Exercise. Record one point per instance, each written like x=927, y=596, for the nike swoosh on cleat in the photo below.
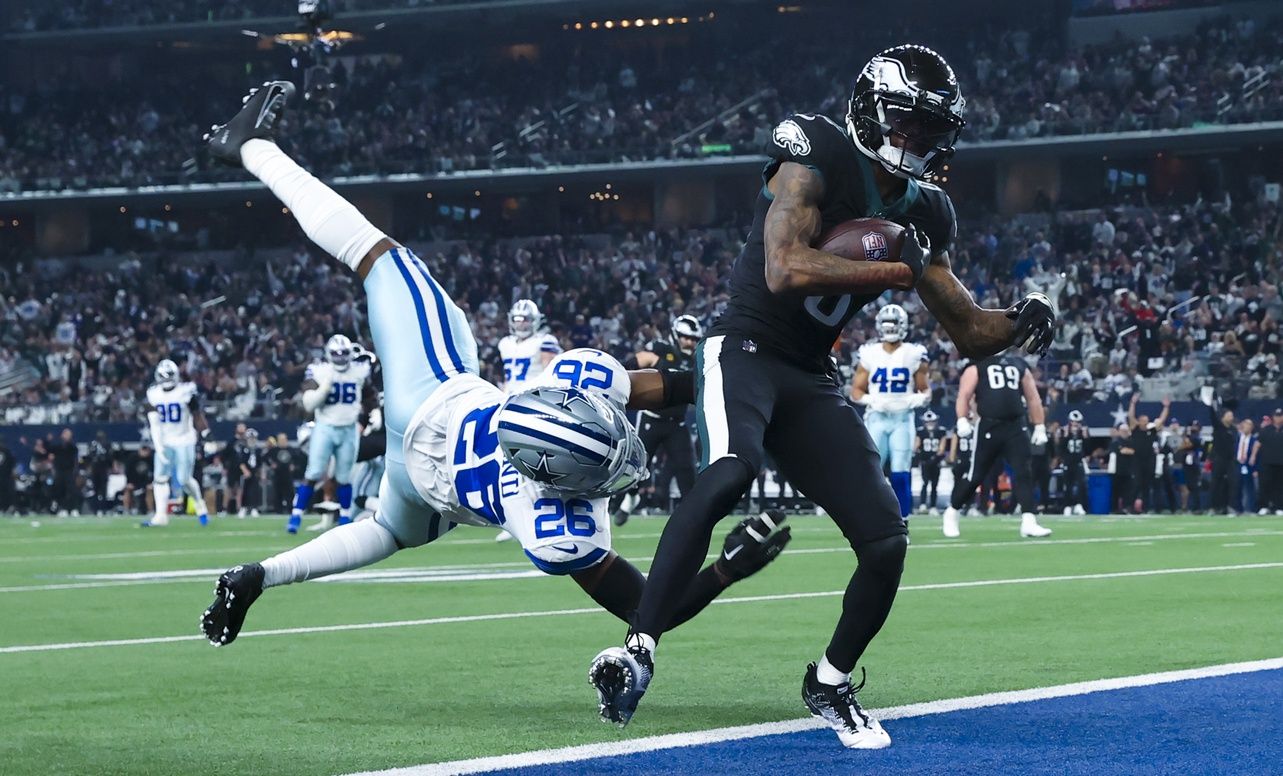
x=729, y=554
x=571, y=550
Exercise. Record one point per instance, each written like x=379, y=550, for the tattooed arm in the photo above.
x=793, y=223
x=978, y=332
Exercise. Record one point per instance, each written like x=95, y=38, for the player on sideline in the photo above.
x=1004, y=390
x=332, y=390
x=1071, y=446
x=931, y=449
x=175, y=418
x=526, y=352
x=665, y=430
x=764, y=370
x=540, y=463
x=891, y=381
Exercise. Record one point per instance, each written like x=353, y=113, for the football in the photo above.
x=864, y=239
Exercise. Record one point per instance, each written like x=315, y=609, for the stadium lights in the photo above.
x=122, y=209
x=168, y=207
x=285, y=211
x=611, y=24
x=476, y=193
x=428, y=195
x=248, y=203
x=561, y=188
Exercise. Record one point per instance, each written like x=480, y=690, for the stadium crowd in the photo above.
x=575, y=104
x=35, y=15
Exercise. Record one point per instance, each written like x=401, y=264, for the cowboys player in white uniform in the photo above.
x=540, y=463
x=174, y=419
x=526, y=353
x=332, y=390
x=527, y=350
x=891, y=382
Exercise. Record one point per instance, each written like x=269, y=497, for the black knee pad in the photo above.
x=884, y=557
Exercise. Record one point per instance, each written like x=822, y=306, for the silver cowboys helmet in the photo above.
x=167, y=374
x=571, y=441
x=687, y=326
x=338, y=351
x=906, y=111
x=929, y=417
x=892, y=323
x=524, y=319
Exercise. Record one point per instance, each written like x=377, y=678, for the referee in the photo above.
x=1004, y=390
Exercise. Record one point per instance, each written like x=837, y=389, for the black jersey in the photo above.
x=932, y=440
x=999, y=395
x=963, y=451
x=671, y=359
x=802, y=329
x=1072, y=445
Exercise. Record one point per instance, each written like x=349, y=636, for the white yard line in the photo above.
x=678, y=740
x=566, y=612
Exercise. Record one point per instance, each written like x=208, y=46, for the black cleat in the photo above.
x=260, y=111
x=837, y=705
x=237, y=589
x=755, y=542
x=620, y=676
x=619, y=517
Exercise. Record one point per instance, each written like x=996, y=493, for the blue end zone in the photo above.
x=1221, y=725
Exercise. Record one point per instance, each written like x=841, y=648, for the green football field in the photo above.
x=461, y=650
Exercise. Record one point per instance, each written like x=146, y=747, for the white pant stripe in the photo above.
x=713, y=403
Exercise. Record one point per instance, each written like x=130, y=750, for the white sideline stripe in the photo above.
x=564, y=612
x=125, y=555
x=718, y=735
x=461, y=572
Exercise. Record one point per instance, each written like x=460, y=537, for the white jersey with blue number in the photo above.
x=891, y=374
x=173, y=408
x=523, y=359
x=454, y=460
x=342, y=405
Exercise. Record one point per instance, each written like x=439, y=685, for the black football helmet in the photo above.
x=685, y=326
x=907, y=92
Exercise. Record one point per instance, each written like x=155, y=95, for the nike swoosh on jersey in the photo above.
x=571, y=550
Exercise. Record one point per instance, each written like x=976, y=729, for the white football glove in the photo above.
x=964, y=427
x=1039, y=436
x=917, y=400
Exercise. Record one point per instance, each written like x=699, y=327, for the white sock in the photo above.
x=160, y=492
x=345, y=548
x=329, y=220
x=827, y=674
x=193, y=489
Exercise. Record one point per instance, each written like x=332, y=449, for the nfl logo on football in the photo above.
x=875, y=246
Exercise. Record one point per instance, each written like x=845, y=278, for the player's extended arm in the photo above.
x=793, y=266
x=655, y=390
x=199, y=421
x=313, y=393
x=977, y=331
x=1162, y=416
x=921, y=396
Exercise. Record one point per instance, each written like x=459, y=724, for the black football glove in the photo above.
x=755, y=542
x=915, y=252
x=1035, y=323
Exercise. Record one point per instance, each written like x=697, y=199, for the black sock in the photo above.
x=685, y=542
x=868, y=600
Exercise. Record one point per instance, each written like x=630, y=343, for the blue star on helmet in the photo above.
x=568, y=398
x=543, y=474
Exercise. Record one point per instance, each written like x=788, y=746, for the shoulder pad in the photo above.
x=807, y=139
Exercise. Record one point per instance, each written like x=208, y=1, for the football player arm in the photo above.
x=313, y=393
x=966, y=390
x=921, y=396
x=643, y=359
x=979, y=332
x=655, y=390
x=860, y=386
x=199, y=421
x=793, y=223
x=1037, y=416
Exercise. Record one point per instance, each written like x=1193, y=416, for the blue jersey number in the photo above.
x=478, y=487
x=584, y=374
x=170, y=413
x=891, y=380
x=515, y=368
x=558, y=518
x=342, y=393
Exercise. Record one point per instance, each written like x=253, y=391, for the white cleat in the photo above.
x=933, y=512
x=1029, y=527
x=951, y=524
x=503, y=536
x=324, y=524
x=1078, y=510
x=1262, y=511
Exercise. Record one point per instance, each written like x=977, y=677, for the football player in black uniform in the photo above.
x=1071, y=448
x=1004, y=390
x=763, y=375
x=931, y=444
x=666, y=429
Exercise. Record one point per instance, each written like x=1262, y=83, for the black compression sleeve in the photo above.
x=679, y=388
